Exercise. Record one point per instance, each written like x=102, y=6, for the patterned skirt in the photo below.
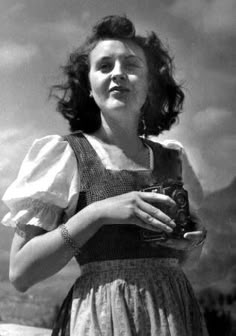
x=135, y=297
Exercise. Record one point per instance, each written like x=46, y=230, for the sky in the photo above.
x=36, y=37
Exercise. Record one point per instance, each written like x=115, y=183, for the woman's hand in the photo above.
x=191, y=239
x=196, y=238
x=139, y=208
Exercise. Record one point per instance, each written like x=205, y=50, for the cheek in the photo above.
x=142, y=87
x=98, y=86
x=92, y=81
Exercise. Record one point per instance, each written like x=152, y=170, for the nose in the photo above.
x=118, y=73
x=118, y=77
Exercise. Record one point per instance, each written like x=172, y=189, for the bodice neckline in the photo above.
x=131, y=171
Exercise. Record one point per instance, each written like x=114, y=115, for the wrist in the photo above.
x=68, y=240
x=100, y=213
x=84, y=224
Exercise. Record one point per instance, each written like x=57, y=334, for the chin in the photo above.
x=118, y=105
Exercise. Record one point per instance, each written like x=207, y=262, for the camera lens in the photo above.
x=180, y=198
x=181, y=217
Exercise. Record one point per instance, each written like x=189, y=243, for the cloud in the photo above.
x=215, y=160
x=13, y=10
x=222, y=151
x=17, y=137
x=210, y=119
x=14, y=143
x=209, y=140
x=207, y=31
x=65, y=28
x=13, y=55
x=208, y=16
x=62, y=28
x=220, y=16
x=213, y=135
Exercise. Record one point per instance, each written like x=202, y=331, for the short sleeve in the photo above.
x=190, y=179
x=47, y=186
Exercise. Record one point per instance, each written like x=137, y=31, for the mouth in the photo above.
x=119, y=89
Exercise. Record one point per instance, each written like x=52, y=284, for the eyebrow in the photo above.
x=136, y=57
x=104, y=58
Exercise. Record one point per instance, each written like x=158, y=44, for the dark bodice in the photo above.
x=97, y=183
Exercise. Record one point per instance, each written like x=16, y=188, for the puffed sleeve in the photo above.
x=190, y=179
x=45, y=192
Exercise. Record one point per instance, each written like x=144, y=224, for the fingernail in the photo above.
x=169, y=229
x=173, y=223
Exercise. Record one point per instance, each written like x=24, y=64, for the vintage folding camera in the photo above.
x=175, y=190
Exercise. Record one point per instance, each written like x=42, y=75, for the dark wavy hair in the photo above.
x=165, y=97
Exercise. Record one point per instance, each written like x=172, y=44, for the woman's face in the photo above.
x=118, y=76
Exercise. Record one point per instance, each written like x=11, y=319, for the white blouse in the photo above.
x=46, y=190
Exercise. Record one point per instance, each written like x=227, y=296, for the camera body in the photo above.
x=175, y=190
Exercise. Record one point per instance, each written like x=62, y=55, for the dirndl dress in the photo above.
x=145, y=297
x=126, y=287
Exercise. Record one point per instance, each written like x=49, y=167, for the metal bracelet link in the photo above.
x=69, y=242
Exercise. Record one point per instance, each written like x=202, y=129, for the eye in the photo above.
x=131, y=65
x=105, y=66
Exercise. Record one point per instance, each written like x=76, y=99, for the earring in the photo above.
x=144, y=127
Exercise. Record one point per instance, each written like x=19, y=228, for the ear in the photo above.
x=90, y=94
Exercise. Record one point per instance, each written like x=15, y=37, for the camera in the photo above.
x=175, y=190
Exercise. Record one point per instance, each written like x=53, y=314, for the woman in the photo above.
x=80, y=194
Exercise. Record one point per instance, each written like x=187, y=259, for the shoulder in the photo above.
x=48, y=142
x=47, y=182
x=167, y=145
x=175, y=145
x=47, y=161
x=48, y=147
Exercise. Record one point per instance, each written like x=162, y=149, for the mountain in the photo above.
x=217, y=265
x=225, y=198
x=6, y=233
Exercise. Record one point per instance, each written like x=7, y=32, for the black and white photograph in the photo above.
x=117, y=170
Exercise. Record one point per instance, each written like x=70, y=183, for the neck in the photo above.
x=122, y=133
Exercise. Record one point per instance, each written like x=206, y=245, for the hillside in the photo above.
x=218, y=263
x=38, y=306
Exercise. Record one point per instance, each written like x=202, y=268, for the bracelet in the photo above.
x=69, y=242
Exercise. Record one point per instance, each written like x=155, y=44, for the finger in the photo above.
x=157, y=213
x=151, y=223
x=157, y=198
x=196, y=235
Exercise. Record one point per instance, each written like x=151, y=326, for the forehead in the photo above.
x=116, y=48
